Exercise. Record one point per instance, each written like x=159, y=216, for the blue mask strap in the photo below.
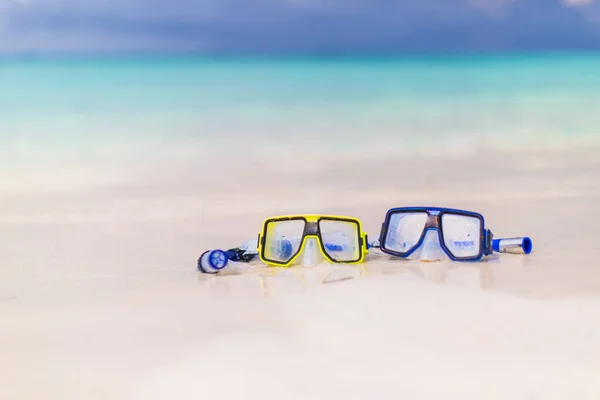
x=240, y=255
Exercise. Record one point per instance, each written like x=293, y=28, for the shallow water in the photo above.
x=111, y=110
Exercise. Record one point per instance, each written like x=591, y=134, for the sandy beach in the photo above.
x=100, y=297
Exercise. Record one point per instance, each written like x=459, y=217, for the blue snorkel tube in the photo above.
x=213, y=261
x=516, y=245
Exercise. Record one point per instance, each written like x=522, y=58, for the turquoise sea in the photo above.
x=99, y=108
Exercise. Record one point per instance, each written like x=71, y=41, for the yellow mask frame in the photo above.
x=312, y=229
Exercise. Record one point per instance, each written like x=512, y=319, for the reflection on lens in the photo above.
x=461, y=234
x=404, y=231
x=340, y=239
x=283, y=239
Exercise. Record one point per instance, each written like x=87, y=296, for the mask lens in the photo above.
x=404, y=231
x=283, y=239
x=340, y=239
x=461, y=234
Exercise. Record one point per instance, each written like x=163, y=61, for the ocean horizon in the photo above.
x=68, y=108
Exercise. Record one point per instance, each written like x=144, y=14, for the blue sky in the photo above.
x=297, y=26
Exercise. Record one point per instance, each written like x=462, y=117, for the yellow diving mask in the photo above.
x=309, y=239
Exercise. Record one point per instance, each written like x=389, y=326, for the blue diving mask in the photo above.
x=437, y=234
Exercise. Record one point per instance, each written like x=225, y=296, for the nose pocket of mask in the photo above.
x=311, y=255
x=430, y=249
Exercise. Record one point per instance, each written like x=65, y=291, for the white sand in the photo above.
x=100, y=299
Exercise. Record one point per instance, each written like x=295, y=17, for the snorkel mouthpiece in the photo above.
x=283, y=249
x=517, y=245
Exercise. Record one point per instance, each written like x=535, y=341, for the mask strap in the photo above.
x=240, y=255
x=245, y=252
x=488, y=239
x=374, y=245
